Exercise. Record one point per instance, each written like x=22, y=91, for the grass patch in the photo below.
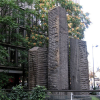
x=94, y=98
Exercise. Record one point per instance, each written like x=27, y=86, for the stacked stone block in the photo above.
x=58, y=49
x=37, y=67
x=53, y=72
x=79, y=65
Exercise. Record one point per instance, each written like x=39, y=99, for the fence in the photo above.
x=69, y=95
x=61, y=95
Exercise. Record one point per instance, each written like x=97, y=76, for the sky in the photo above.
x=92, y=34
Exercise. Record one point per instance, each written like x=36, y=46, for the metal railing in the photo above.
x=74, y=94
x=66, y=94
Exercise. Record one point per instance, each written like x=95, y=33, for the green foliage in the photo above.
x=13, y=17
x=3, y=55
x=3, y=95
x=77, y=20
x=4, y=79
x=38, y=93
x=94, y=98
x=17, y=93
x=93, y=93
x=35, y=22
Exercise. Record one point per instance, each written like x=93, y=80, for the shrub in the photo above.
x=17, y=93
x=38, y=93
x=4, y=79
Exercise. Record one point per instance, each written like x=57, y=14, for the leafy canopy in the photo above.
x=22, y=26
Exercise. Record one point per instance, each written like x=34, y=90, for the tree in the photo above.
x=77, y=20
x=16, y=19
x=21, y=27
x=91, y=75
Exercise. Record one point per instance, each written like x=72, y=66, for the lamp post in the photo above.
x=93, y=64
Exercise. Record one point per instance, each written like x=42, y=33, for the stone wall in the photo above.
x=37, y=67
x=58, y=50
x=78, y=65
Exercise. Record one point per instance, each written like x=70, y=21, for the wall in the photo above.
x=78, y=65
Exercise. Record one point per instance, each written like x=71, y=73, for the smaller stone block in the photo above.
x=37, y=67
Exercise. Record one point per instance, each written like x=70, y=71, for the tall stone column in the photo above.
x=58, y=49
x=79, y=66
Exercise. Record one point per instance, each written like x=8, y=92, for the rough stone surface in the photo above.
x=79, y=65
x=58, y=49
x=50, y=68
x=37, y=67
